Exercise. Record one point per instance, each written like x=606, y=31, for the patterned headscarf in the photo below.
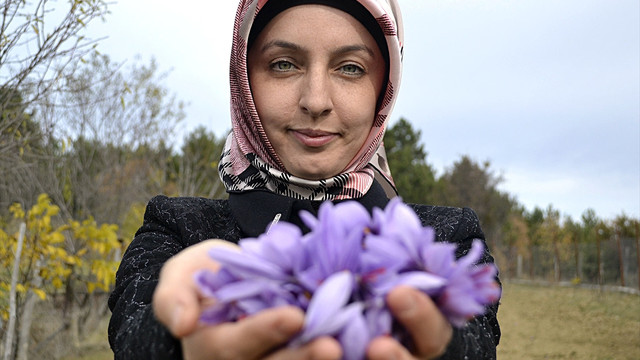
x=249, y=161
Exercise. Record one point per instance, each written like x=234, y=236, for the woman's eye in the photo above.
x=352, y=69
x=282, y=65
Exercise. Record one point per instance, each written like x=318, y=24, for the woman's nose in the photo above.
x=315, y=94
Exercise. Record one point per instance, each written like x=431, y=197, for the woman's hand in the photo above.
x=177, y=303
x=260, y=336
x=430, y=330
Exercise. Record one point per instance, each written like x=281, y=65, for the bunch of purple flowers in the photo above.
x=341, y=271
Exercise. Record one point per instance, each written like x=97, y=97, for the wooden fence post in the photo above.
x=620, y=256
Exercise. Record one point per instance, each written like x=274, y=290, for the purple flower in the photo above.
x=461, y=288
x=399, y=224
x=282, y=246
x=355, y=337
x=335, y=240
x=377, y=317
x=234, y=302
x=341, y=271
x=328, y=312
x=470, y=287
x=257, y=276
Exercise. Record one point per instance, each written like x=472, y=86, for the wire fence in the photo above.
x=610, y=263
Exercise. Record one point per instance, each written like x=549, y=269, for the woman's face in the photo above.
x=315, y=74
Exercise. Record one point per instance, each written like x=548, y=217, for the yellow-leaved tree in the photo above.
x=64, y=259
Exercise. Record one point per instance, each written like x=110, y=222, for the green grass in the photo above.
x=537, y=322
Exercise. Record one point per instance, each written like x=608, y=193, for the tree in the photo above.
x=47, y=265
x=515, y=238
x=574, y=231
x=17, y=128
x=413, y=176
x=41, y=42
x=20, y=139
x=469, y=184
x=624, y=227
x=604, y=233
x=195, y=169
x=590, y=236
x=105, y=141
x=534, y=220
x=118, y=119
x=552, y=235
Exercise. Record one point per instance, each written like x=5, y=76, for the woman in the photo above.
x=312, y=84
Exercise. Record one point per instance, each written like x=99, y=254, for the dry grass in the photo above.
x=568, y=323
x=537, y=323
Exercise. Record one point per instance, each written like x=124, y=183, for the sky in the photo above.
x=547, y=91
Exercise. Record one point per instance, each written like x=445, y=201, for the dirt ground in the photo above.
x=537, y=322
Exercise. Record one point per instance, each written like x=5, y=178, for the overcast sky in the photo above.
x=548, y=91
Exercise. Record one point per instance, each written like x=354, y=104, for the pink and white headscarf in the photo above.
x=249, y=162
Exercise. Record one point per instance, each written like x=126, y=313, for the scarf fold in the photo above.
x=249, y=162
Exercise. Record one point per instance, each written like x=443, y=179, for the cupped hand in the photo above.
x=260, y=336
x=430, y=331
x=177, y=304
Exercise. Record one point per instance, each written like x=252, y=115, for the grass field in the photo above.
x=568, y=323
x=542, y=323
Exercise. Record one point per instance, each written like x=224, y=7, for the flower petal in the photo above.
x=424, y=281
x=323, y=314
x=246, y=265
x=378, y=317
x=354, y=338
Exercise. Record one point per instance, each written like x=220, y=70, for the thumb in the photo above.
x=176, y=308
x=176, y=299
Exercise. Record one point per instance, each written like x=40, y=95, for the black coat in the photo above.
x=172, y=224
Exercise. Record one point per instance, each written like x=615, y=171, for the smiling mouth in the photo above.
x=314, y=138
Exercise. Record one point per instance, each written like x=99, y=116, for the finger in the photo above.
x=176, y=299
x=324, y=348
x=430, y=330
x=252, y=337
x=385, y=348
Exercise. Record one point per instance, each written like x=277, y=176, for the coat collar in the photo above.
x=255, y=210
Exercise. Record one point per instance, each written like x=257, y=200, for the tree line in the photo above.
x=534, y=243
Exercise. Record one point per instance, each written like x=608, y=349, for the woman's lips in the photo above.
x=313, y=138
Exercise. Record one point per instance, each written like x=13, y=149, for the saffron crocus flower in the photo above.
x=239, y=299
x=470, y=287
x=335, y=240
x=465, y=288
x=258, y=275
x=341, y=271
x=330, y=314
x=282, y=246
x=276, y=254
x=398, y=223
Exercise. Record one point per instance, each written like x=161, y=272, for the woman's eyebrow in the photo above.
x=340, y=51
x=281, y=44
x=354, y=48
